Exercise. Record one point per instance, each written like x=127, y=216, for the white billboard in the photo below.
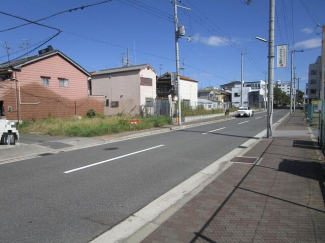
x=282, y=53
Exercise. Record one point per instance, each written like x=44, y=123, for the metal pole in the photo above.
x=177, y=64
x=271, y=70
x=321, y=92
x=291, y=81
x=242, y=79
x=294, y=90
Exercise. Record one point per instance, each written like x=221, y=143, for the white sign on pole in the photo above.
x=282, y=53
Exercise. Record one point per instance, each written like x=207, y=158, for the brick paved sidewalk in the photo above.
x=279, y=199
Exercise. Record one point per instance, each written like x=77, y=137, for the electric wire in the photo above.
x=293, y=29
x=311, y=14
x=285, y=23
x=53, y=15
x=141, y=8
x=33, y=22
x=279, y=26
x=227, y=39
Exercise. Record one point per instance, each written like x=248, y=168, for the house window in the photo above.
x=107, y=102
x=313, y=72
x=114, y=104
x=46, y=81
x=186, y=103
x=237, y=95
x=146, y=81
x=313, y=91
x=313, y=81
x=63, y=82
x=149, y=102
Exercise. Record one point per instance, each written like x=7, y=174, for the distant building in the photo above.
x=314, y=79
x=222, y=98
x=284, y=86
x=253, y=94
x=229, y=86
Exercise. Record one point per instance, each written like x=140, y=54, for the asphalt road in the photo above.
x=75, y=196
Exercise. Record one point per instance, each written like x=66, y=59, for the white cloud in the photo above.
x=218, y=40
x=307, y=30
x=308, y=44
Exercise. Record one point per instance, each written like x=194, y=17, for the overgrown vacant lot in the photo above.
x=90, y=127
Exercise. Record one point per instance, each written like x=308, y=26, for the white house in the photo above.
x=188, y=89
x=236, y=95
x=254, y=94
x=127, y=90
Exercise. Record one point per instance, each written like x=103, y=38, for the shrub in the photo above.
x=91, y=113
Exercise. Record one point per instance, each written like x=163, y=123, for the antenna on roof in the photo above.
x=127, y=57
x=183, y=68
x=160, y=69
x=24, y=45
x=8, y=49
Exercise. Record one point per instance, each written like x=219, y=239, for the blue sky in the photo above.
x=96, y=37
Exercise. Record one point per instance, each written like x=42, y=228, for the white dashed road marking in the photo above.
x=214, y=130
x=243, y=122
x=105, y=161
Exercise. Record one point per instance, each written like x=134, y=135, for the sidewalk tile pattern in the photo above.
x=279, y=200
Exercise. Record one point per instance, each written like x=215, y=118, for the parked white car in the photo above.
x=244, y=111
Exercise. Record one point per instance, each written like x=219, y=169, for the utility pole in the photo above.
x=298, y=90
x=291, y=81
x=242, y=77
x=179, y=33
x=177, y=64
x=321, y=93
x=271, y=70
x=294, y=89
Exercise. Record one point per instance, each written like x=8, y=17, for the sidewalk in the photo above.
x=280, y=198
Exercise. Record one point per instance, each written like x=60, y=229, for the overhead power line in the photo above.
x=53, y=15
x=311, y=14
x=211, y=27
x=148, y=9
x=33, y=22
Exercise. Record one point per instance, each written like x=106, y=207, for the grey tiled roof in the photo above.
x=123, y=69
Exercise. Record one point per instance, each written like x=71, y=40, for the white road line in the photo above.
x=258, y=118
x=242, y=122
x=214, y=130
x=105, y=161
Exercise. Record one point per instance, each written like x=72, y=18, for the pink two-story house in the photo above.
x=48, y=84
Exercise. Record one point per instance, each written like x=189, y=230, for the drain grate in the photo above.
x=248, y=160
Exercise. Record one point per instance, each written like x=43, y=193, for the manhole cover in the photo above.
x=110, y=148
x=248, y=160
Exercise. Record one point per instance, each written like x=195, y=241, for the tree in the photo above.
x=280, y=97
x=300, y=98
